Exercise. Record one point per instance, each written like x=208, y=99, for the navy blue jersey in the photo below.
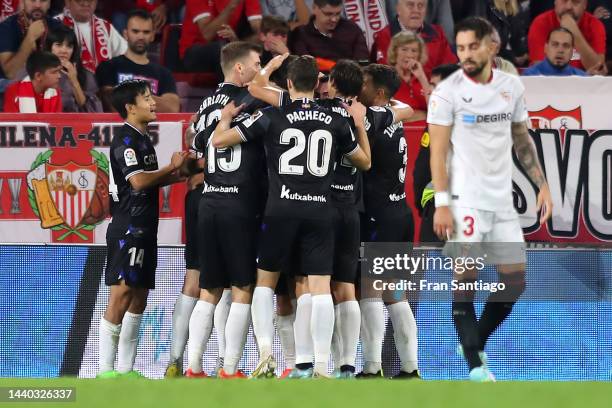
x=301, y=141
x=384, y=184
x=132, y=152
x=233, y=176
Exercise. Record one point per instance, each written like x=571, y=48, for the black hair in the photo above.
x=347, y=77
x=126, y=93
x=61, y=34
x=40, y=61
x=303, y=72
x=444, y=70
x=323, y=3
x=560, y=30
x=481, y=27
x=383, y=77
x=140, y=13
x=279, y=76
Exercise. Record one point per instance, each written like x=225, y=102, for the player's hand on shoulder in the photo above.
x=230, y=111
x=443, y=223
x=357, y=110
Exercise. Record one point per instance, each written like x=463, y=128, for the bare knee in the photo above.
x=191, y=284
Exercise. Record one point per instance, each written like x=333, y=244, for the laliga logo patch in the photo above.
x=130, y=157
x=247, y=123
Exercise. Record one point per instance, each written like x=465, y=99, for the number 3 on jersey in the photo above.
x=319, y=150
x=403, y=150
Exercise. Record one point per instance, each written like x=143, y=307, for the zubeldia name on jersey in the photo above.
x=389, y=130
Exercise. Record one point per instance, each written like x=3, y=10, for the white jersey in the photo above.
x=480, y=155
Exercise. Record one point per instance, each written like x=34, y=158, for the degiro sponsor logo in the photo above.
x=493, y=118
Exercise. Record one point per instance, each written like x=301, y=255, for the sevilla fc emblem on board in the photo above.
x=69, y=197
x=552, y=118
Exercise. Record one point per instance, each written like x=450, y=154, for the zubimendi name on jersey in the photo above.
x=288, y=195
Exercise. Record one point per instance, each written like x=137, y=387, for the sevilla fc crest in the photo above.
x=551, y=118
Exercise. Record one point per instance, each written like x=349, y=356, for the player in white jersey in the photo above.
x=476, y=116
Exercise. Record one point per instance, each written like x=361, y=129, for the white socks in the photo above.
x=262, y=311
x=405, y=335
x=349, y=316
x=322, y=328
x=220, y=319
x=180, y=325
x=301, y=328
x=284, y=327
x=372, y=333
x=200, y=326
x=336, y=347
x=235, y=331
x=128, y=342
x=109, y=339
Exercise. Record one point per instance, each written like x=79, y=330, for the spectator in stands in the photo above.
x=558, y=53
x=77, y=85
x=210, y=25
x=295, y=12
x=38, y=92
x=135, y=64
x=438, y=12
x=589, y=35
x=328, y=36
x=602, y=10
x=162, y=11
x=8, y=8
x=407, y=54
x=411, y=17
x=537, y=7
x=98, y=39
x=21, y=34
x=273, y=37
x=500, y=62
x=503, y=15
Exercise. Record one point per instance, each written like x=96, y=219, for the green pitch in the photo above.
x=187, y=393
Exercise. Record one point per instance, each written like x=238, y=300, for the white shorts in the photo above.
x=497, y=236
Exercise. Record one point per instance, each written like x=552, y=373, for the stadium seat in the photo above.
x=169, y=57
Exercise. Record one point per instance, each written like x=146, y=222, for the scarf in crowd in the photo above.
x=24, y=23
x=26, y=98
x=7, y=8
x=369, y=15
x=100, y=33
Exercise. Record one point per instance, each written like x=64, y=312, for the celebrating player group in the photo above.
x=284, y=187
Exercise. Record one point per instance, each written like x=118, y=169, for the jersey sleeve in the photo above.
x=284, y=99
x=254, y=127
x=520, y=113
x=129, y=160
x=199, y=9
x=440, y=110
x=347, y=143
x=252, y=9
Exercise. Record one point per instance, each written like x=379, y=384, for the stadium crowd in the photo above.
x=65, y=56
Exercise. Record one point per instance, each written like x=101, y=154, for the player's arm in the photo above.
x=260, y=87
x=526, y=153
x=401, y=111
x=192, y=164
x=147, y=179
x=439, y=144
x=362, y=157
x=223, y=135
